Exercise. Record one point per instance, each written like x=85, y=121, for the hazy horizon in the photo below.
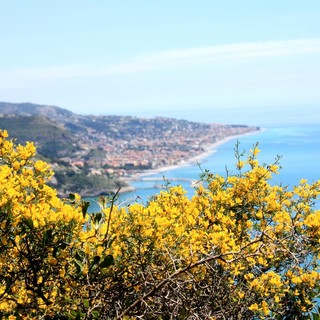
x=263, y=117
x=228, y=61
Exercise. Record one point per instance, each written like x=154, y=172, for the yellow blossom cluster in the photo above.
x=239, y=248
x=36, y=229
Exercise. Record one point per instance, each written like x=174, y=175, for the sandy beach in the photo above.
x=210, y=149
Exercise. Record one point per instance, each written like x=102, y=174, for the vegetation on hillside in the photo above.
x=241, y=248
x=112, y=147
x=54, y=142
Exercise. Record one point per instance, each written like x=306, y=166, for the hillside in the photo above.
x=95, y=154
x=52, y=139
x=28, y=109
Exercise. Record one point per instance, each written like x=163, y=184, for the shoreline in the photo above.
x=140, y=175
x=208, y=150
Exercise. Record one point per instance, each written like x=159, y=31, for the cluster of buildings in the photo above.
x=122, y=156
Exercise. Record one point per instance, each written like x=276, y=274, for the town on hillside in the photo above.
x=98, y=154
x=125, y=155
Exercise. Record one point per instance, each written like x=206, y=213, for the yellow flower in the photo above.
x=254, y=307
x=53, y=261
x=62, y=273
x=41, y=166
x=296, y=280
x=240, y=164
x=249, y=276
x=16, y=165
x=264, y=308
x=4, y=134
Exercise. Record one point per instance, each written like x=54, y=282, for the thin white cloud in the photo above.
x=241, y=50
x=213, y=55
x=177, y=58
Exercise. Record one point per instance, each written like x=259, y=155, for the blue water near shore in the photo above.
x=298, y=145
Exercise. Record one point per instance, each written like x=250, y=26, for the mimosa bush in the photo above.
x=240, y=248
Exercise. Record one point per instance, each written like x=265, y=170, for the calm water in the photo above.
x=299, y=147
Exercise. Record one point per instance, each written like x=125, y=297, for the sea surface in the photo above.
x=298, y=146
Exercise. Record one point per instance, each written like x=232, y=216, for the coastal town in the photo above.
x=150, y=144
x=92, y=154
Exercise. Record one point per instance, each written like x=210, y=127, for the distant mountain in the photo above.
x=51, y=138
x=31, y=109
x=54, y=131
x=91, y=154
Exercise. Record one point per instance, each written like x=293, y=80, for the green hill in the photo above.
x=57, y=145
x=52, y=141
x=92, y=154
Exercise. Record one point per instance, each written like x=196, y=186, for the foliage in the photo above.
x=70, y=181
x=52, y=140
x=55, y=142
x=240, y=248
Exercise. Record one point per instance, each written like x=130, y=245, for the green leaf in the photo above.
x=95, y=261
x=63, y=245
x=47, y=236
x=79, y=268
x=95, y=314
x=97, y=218
x=78, y=257
x=79, y=315
x=84, y=207
x=108, y=242
x=107, y=261
x=29, y=223
x=72, y=196
x=86, y=303
x=315, y=316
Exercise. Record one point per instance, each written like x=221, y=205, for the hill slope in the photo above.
x=52, y=139
x=91, y=154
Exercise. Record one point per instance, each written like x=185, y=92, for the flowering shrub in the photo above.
x=240, y=248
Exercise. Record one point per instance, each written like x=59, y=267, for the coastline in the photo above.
x=208, y=150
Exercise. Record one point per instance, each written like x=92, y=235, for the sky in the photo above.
x=248, y=61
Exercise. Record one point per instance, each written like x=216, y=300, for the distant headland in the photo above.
x=93, y=155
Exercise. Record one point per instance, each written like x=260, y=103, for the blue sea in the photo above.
x=298, y=146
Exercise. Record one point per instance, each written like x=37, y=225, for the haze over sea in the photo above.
x=294, y=136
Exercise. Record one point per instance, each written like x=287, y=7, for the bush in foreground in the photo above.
x=240, y=248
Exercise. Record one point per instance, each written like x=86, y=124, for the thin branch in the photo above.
x=182, y=270
x=111, y=209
